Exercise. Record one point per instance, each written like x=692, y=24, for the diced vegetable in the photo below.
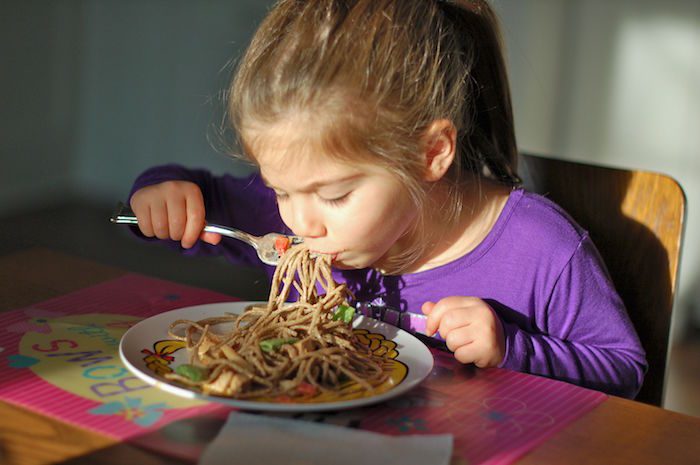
x=222, y=385
x=282, y=243
x=306, y=389
x=344, y=313
x=192, y=372
x=270, y=345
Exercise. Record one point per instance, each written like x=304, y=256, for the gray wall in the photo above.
x=39, y=73
x=93, y=92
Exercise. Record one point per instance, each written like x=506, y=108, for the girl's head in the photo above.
x=379, y=85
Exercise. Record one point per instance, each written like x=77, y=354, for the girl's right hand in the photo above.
x=172, y=210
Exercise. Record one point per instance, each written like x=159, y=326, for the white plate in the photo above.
x=146, y=350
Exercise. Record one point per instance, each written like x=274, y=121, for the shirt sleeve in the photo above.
x=587, y=337
x=243, y=203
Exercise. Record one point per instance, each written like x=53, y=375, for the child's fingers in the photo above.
x=437, y=312
x=142, y=210
x=459, y=317
x=466, y=354
x=427, y=307
x=177, y=219
x=210, y=238
x=195, y=221
x=458, y=337
x=159, y=220
x=144, y=218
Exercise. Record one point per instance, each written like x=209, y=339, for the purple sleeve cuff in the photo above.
x=515, y=358
x=159, y=174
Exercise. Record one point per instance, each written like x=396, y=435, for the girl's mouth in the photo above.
x=333, y=255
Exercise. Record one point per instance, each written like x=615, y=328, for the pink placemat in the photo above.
x=60, y=358
x=495, y=415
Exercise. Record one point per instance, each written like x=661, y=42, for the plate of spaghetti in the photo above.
x=310, y=355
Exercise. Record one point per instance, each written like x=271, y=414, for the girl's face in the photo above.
x=355, y=212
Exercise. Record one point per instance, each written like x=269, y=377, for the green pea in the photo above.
x=270, y=345
x=192, y=372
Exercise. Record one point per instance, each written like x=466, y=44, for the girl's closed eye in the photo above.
x=336, y=201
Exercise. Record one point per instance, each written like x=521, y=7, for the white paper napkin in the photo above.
x=248, y=439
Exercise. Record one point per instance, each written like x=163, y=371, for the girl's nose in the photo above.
x=308, y=221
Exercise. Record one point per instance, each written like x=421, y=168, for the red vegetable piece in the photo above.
x=282, y=244
x=306, y=389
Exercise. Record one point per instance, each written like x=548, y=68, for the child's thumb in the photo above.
x=428, y=307
x=210, y=238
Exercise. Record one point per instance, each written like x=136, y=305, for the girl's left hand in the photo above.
x=470, y=327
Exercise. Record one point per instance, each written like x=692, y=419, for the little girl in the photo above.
x=383, y=134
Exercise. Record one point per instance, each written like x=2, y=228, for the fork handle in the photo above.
x=231, y=232
x=124, y=215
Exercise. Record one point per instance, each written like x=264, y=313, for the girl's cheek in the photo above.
x=286, y=216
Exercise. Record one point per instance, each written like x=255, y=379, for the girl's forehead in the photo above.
x=294, y=171
x=273, y=150
x=297, y=165
x=286, y=158
x=293, y=144
x=277, y=141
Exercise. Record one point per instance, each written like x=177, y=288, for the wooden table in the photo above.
x=618, y=431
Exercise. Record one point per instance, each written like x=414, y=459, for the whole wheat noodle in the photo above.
x=319, y=355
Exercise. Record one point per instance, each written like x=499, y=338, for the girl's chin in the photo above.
x=346, y=263
x=342, y=265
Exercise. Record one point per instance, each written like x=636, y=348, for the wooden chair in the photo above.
x=636, y=219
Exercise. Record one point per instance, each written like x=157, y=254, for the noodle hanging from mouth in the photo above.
x=281, y=349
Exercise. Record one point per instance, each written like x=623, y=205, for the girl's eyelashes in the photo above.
x=334, y=202
x=337, y=201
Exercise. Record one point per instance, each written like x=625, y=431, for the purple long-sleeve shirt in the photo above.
x=537, y=268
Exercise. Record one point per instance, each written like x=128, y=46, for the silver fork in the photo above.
x=263, y=245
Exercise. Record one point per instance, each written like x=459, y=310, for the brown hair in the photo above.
x=372, y=75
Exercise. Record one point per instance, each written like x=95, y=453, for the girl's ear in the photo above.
x=440, y=145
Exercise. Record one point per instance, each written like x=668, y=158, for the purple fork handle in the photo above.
x=414, y=323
